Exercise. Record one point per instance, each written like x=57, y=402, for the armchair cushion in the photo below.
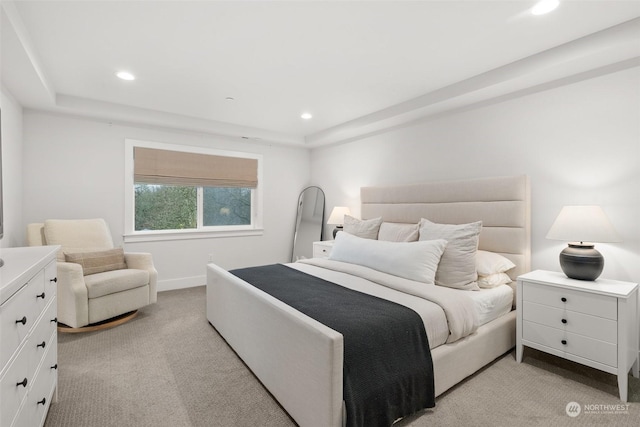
x=111, y=282
x=98, y=262
x=78, y=235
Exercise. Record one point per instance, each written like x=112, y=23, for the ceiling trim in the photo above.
x=127, y=114
x=621, y=39
x=598, y=72
x=15, y=20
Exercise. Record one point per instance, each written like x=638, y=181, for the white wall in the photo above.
x=11, y=169
x=579, y=144
x=74, y=168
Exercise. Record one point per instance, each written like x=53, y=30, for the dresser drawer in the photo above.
x=578, y=345
x=17, y=316
x=581, y=302
x=51, y=279
x=12, y=393
x=39, y=397
x=41, y=336
x=571, y=321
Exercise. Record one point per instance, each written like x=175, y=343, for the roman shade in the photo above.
x=153, y=166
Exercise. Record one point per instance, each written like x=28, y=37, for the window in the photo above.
x=186, y=192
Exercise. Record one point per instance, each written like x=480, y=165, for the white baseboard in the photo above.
x=183, y=282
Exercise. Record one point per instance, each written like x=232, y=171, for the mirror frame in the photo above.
x=304, y=245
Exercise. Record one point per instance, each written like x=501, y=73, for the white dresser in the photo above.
x=28, y=335
x=594, y=323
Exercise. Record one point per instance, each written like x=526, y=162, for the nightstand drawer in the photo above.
x=588, y=348
x=322, y=249
x=571, y=321
x=582, y=302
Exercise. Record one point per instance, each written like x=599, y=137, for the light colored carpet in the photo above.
x=169, y=367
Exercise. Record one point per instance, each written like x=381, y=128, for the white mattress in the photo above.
x=490, y=303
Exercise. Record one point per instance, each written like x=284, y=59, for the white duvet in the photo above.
x=448, y=314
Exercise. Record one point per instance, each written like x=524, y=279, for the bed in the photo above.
x=300, y=360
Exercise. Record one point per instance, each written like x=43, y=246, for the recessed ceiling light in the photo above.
x=125, y=75
x=544, y=6
x=306, y=116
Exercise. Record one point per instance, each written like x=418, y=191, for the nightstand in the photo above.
x=592, y=323
x=322, y=249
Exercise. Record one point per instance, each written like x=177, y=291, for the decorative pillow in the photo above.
x=488, y=263
x=457, y=268
x=365, y=228
x=393, y=232
x=493, y=280
x=411, y=260
x=98, y=262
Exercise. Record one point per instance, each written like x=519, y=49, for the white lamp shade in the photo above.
x=583, y=224
x=337, y=215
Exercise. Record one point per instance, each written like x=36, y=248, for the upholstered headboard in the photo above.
x=503, y=204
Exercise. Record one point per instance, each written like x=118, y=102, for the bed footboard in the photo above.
x=298, y=359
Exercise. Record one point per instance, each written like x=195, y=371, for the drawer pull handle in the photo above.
x=55, y=366
x=54, y=280
x=563, y=299
x=564, y=342
x=42, y=344
x=40, y=296
x=43, y=401
x=22, y=383
x=23, y=320
x=54, y=320
x=564, y=321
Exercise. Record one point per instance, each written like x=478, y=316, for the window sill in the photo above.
x=159, y=236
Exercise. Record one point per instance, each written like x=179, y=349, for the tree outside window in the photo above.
x=171, y=207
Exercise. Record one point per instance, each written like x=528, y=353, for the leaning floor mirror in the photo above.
x=309, y=221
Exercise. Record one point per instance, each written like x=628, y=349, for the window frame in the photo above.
x=201, y=232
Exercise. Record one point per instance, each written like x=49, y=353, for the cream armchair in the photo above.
x=97, y=285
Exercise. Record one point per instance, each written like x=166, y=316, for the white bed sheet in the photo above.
x=492, y=303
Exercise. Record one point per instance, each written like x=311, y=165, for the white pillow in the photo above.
x=457, y=268
x=365, y=228
x=493, y=280
x=393, y=232
x=488, y=263
x=411, y=260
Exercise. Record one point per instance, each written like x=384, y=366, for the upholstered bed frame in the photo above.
x=300, y=360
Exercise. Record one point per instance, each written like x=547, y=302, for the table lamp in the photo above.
x=337, y=218
x=581, y=227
